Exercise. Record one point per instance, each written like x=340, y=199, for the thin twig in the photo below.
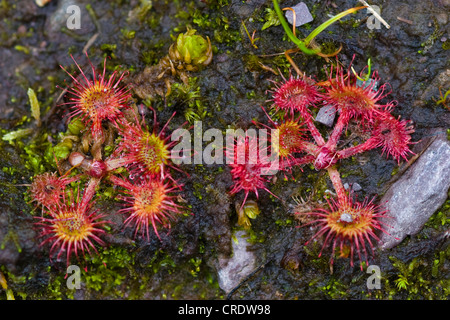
x=404, y=20
x=90, y=42
x=294, y=18
x=375, y=14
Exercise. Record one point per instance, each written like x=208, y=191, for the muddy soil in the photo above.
x=412, y=56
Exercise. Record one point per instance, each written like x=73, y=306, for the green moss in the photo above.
x=161, y=260
x=190, y=96
x=54, y=289
x=282, y=63
x=195, y=269
x=334, y=289
x=328, y=47
x=36, y=154
x=413, y=280
x=440, y=218
x=127, y=33
x=107, y=271
x=227, y=36
x=217, y=4
x=12, y=282
x=13, y=237
x=198, y=188
x=429, y=42
x=271, y=19
x=213, y=20
x=446, y=44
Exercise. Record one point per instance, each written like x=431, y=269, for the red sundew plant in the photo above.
x=289, y=136
x=72, y=226
x=145, y=153
x=352, y=100
x=47, y=189
x=393, y=135
x=348, y=224
x=143, y=156
x=109, y=143
x=151, y=202
x=98, y=99
x=295, y=94
x=365, y=108
x=250, y=169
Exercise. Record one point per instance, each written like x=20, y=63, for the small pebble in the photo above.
x=355, y=186
x=419, y=192
x=302, y=15
x=326, y=115
x=232, y=270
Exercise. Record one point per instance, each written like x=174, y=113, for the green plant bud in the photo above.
x=193, y=48
x=244, y=221
x=75, y=126
x=251, y=209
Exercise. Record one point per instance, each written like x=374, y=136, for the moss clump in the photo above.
x=104, y=275
x=440, y=218
x=413, y=280
x=446, y=44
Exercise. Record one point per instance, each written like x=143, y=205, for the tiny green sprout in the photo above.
x=196, y=262
x=271, y=19
x=108, y=47
x=140, y=12
x=23, y=49
x=128, y=34
x=402, y=282
x=252, y=37
x=35, y=108
x=367, y=75
x=35, y=112
x=191, y=115
x=443, y=98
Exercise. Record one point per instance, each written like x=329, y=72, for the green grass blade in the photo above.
x=327, y=23
x=288, y=31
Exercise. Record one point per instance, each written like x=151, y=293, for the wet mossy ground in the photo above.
x=413, y=58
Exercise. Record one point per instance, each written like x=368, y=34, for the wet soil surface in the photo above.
x=412, y=56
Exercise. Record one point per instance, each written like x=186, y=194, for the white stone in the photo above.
x=232, y=270
x=422, y=189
